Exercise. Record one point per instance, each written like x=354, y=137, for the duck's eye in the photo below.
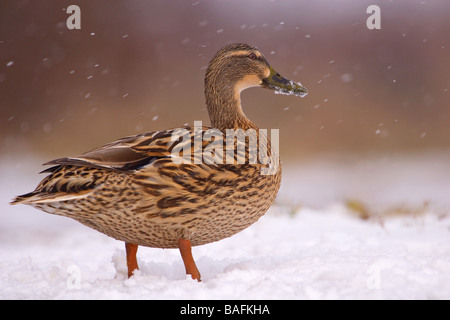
x=252, y=56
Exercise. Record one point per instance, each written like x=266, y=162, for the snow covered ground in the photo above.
x=315, y=251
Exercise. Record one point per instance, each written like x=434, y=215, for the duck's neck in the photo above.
x=223, y=101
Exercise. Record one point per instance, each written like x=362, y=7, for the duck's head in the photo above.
x=235, y=68
x=243, y=66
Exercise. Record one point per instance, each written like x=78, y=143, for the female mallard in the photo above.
x=139, y=190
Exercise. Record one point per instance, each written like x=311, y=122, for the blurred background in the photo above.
x=138, y=66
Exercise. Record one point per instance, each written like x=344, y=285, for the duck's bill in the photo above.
x=282, y=85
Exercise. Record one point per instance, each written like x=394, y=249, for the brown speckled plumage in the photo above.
x=132, y=190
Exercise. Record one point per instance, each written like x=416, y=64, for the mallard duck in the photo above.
x=139, y=190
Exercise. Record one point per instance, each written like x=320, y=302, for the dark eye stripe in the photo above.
x=253, y=56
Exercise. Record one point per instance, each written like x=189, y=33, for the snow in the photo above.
x=293, y=252
x=294, y=89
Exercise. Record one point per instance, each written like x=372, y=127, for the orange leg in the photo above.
x=189, y=263
x=131, y=250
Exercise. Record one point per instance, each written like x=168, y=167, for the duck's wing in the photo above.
x=75, y=177
x=125, y=154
